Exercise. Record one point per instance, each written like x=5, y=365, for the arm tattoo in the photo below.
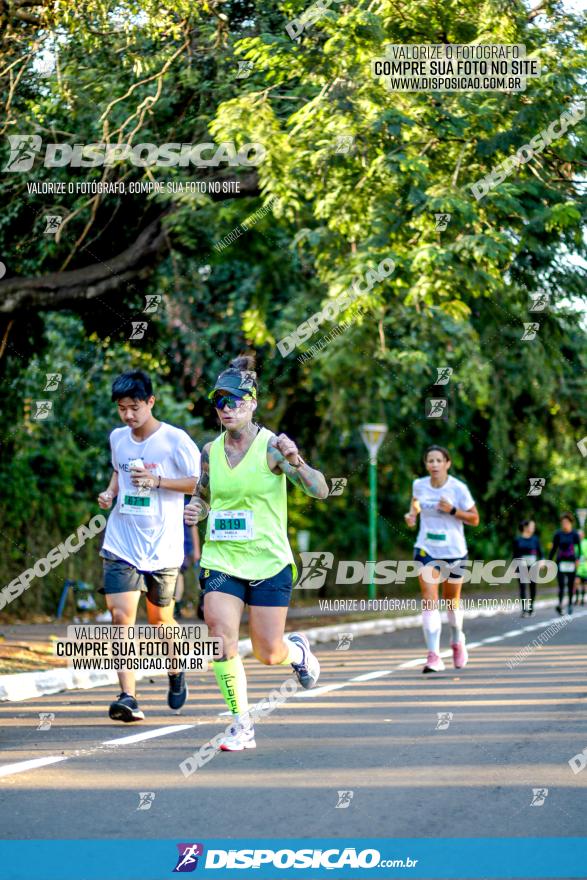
x=311, y=481
x=203, y=488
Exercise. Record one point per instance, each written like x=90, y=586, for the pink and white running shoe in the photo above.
x=433, y=663
x=460, y=655
x=238, y=738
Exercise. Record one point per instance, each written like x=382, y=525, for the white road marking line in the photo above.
x=316, y=692
x=148, y=734
x=409, y=663
x=367, y=676
x=23, y=766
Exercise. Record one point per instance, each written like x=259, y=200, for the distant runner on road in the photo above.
x=566, y=549
x=527, y=547
x=444, y=505
x=582, y=572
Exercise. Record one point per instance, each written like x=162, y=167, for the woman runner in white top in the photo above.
x=445, y=506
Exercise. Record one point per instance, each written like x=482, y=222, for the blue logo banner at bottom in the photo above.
x=305, y=859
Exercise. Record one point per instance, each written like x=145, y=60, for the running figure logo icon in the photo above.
x=53, y=380
x=188, y=857
x=138, y=329
x=23, y=151
x=344, y=143
x=442, y=221
x=344, y=641
x=146, y=799
x=443, y=375
x=537, y=484
x=436, y=408
x=152, y=302
x=344, y=799
x=46, y=719
x=444, y=719
x=245, y=68
x=530, y=331
x=540, y=301
x=53, y=222
x=315, y=567
x=43, y=410
x=338, y=485
x=539, y=795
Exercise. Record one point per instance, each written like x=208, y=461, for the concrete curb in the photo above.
x=29, y=685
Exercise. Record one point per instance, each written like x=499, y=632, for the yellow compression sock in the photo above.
x=232, y=681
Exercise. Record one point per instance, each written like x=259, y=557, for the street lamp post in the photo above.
x=373, y=435
x=303, y=540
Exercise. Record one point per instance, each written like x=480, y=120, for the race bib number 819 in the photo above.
x=231, y=525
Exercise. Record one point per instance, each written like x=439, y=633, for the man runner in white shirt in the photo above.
x=445, y=505
x=154, y=466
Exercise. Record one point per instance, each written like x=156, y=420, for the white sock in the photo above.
x=245, y=720
x=432, y=626
x=295, y=653
x=455, y=619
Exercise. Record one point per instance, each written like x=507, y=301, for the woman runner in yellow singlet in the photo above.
x=246, y=557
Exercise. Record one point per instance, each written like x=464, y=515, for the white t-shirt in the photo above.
x=146, y=526
x=441, y=535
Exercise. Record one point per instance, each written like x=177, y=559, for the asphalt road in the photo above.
x=371, y=729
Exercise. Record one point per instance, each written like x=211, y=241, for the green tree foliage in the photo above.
x=152, y=72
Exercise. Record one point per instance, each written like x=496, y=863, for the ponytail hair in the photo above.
x=243, y=363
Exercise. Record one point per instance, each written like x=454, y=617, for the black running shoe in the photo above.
x=178, y=691
x=559, y=609
x=126, y=708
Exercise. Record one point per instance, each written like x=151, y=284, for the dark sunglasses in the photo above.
x=222, y=400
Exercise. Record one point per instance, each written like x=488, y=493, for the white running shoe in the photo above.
x=308, y=671
x=433, y=663
x=238, y=738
